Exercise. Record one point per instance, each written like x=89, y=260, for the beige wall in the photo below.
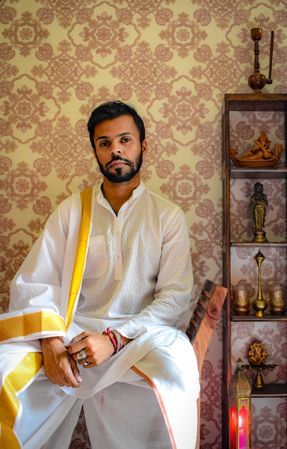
x=173, y=60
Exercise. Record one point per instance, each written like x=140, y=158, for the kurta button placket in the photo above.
x=118, y=248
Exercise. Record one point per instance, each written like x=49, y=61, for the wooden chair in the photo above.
x=202, y=324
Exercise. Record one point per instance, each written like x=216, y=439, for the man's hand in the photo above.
x=59, y=366
x=97, y=347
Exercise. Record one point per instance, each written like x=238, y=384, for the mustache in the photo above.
x=118, y=158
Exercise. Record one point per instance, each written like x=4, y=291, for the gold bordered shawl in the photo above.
x=31, y=323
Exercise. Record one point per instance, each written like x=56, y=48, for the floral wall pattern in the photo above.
x=173, y=60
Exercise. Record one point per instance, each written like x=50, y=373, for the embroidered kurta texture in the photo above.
x=138, y=265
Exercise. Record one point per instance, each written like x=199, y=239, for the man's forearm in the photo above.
x=50, y=340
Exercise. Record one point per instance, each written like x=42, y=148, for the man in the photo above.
x=98, y=301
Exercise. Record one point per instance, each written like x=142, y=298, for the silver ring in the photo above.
x=81, y=355
x=86, y=363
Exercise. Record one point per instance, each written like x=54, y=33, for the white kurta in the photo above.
x=138, y=265
x=137, y=279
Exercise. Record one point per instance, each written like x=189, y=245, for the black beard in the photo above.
x=118, y=176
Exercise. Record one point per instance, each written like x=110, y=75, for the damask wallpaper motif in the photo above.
x=173, y=60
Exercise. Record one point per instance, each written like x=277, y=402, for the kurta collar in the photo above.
x=136, y=193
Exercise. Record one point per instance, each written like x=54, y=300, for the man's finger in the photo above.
x=76, y=371
x=76, y=347
x=78, y=338
x=68, y=374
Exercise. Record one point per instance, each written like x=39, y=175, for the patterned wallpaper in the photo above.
x=173, y=60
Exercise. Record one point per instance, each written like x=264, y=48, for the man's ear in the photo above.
x=144, y=146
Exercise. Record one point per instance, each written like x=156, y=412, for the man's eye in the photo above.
x=125, y=139
x=104, y=143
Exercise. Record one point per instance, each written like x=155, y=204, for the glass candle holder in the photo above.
x=241, y=299
x=277, y=299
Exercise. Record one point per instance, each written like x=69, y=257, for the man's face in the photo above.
x=118, y=148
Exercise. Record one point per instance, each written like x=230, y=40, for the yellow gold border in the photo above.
x=31, y=323
x=9, y=402
x=86, y=198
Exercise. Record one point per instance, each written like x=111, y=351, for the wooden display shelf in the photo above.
x=255, y=102
x=233, y=177
x=270, y=390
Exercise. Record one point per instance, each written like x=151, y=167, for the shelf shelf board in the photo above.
x=280, y=172
x=267, y=317
x=255, y=102
x=270, y=390
x=254, y=244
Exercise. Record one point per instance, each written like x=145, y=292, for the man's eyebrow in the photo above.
x=117, y=135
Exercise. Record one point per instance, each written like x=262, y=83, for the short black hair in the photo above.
x=111, y=110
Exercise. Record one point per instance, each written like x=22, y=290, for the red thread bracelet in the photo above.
x=112, y=338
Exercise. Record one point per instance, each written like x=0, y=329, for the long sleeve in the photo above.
x=39, y=281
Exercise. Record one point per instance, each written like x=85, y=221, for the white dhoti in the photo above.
x=144, y=397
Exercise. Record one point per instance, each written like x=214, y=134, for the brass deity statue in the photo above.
x=260, y=149
x=257, y=355
x=260, y=154
x=259, y=204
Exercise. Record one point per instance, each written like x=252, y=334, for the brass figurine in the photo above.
x=259, y=303
x=257, y=355
x=259, y=205
x=260, y=155
x=257, y=80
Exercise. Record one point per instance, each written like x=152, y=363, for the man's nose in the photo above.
x=116, y=148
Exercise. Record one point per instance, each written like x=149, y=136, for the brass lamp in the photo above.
x=259, y=303
x=240, y=410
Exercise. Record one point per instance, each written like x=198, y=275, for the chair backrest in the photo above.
x=201, y=326
x=204, y=318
